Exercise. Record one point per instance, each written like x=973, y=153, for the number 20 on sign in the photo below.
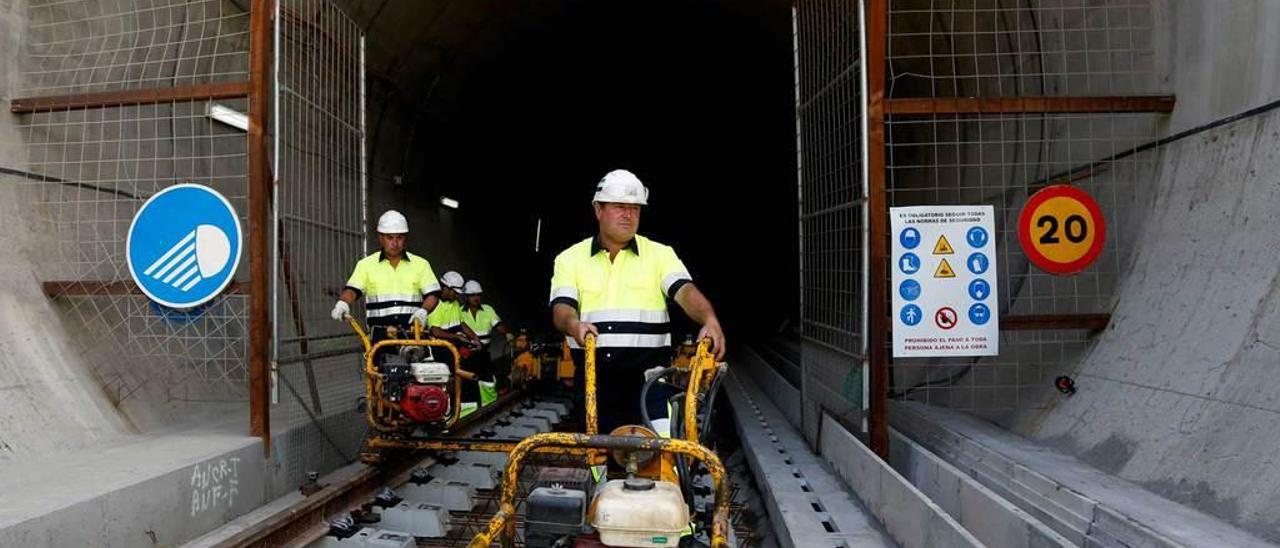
x=1061, y=229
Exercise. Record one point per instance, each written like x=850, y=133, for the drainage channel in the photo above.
x=446, y=499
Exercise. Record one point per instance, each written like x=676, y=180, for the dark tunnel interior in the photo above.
x=696, y=98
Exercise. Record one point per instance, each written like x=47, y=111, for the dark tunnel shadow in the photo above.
x=694, y=97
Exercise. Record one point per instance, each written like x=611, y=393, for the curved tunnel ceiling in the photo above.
x=520, y=107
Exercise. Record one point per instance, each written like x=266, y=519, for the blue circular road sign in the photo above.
x=184, y=245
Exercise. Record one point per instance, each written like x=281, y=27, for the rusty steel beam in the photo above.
x=259, y=220
x=1028, y=105
x=878, y=209
x=1093, y=323
x=64, y=288
x=196, y=92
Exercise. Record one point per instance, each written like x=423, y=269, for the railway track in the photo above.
x=308, y=523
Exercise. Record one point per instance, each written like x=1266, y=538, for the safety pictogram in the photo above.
x=944, y=270
x=943, y=247
x=945, y=317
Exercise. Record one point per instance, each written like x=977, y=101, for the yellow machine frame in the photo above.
x=702, y=369
x=502, y=527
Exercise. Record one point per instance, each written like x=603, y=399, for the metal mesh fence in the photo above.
x=831, y=147
x=320, y=203
x=79, y=46
x=1003, y=48
x=1007, y=48
x=90, y=170
x=829, y=114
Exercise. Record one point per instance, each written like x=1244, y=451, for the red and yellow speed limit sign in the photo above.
x=1061, y=229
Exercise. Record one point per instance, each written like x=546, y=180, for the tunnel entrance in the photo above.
x=519, y=117
x=488, y=124
x=775, y=136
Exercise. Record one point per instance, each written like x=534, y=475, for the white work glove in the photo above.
x=420, y=316
x=652, y=372
x=340, y=310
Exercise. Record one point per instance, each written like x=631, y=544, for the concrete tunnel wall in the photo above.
x=49, y=400
x=1179, y=393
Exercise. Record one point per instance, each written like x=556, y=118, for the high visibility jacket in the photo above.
x=446, y=316
x=392, y=294
x=481, y=321
x=625, y=298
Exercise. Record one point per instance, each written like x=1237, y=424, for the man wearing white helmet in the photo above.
x=445, y=322
x=482, y=319
x=616, y=285
x=398, y=286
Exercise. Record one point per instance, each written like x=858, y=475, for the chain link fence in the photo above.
x=1002, y=49
x=88, y=170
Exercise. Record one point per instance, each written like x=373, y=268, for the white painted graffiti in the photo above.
x=214, y=484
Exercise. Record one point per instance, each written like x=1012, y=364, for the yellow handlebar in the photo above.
x=590, y=390
x=702, y=364
x=364, y=336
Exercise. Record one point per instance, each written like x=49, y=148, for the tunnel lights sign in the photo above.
x=944, y=281
x=183, y=245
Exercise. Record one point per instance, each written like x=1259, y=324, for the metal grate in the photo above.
x=831, y=158
x=319, y=199
x=80, y=46
x=829, y=114
x=90, y=170
x=1008, y=48
x=1003, y=48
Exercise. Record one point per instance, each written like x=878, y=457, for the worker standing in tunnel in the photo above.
x=616, y=285
x=398, y=287
x=445, y=323
x=483, y=321
x=480, y=317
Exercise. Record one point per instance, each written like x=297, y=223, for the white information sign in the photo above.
x=944, y=281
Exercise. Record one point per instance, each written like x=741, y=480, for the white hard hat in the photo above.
x=621, y=187
x=452, y=279
x=473, y=288
x=392, y=222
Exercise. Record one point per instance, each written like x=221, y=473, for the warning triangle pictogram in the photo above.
x=943, y=247
x=944, y=270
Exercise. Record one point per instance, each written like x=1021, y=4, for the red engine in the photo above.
x=425, y=403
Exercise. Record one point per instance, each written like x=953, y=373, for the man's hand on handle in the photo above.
x=340, y=311
x=420, y=316
x=579, y=329
x=711, y=330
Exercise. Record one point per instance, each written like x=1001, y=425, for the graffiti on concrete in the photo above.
x=214, y=485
